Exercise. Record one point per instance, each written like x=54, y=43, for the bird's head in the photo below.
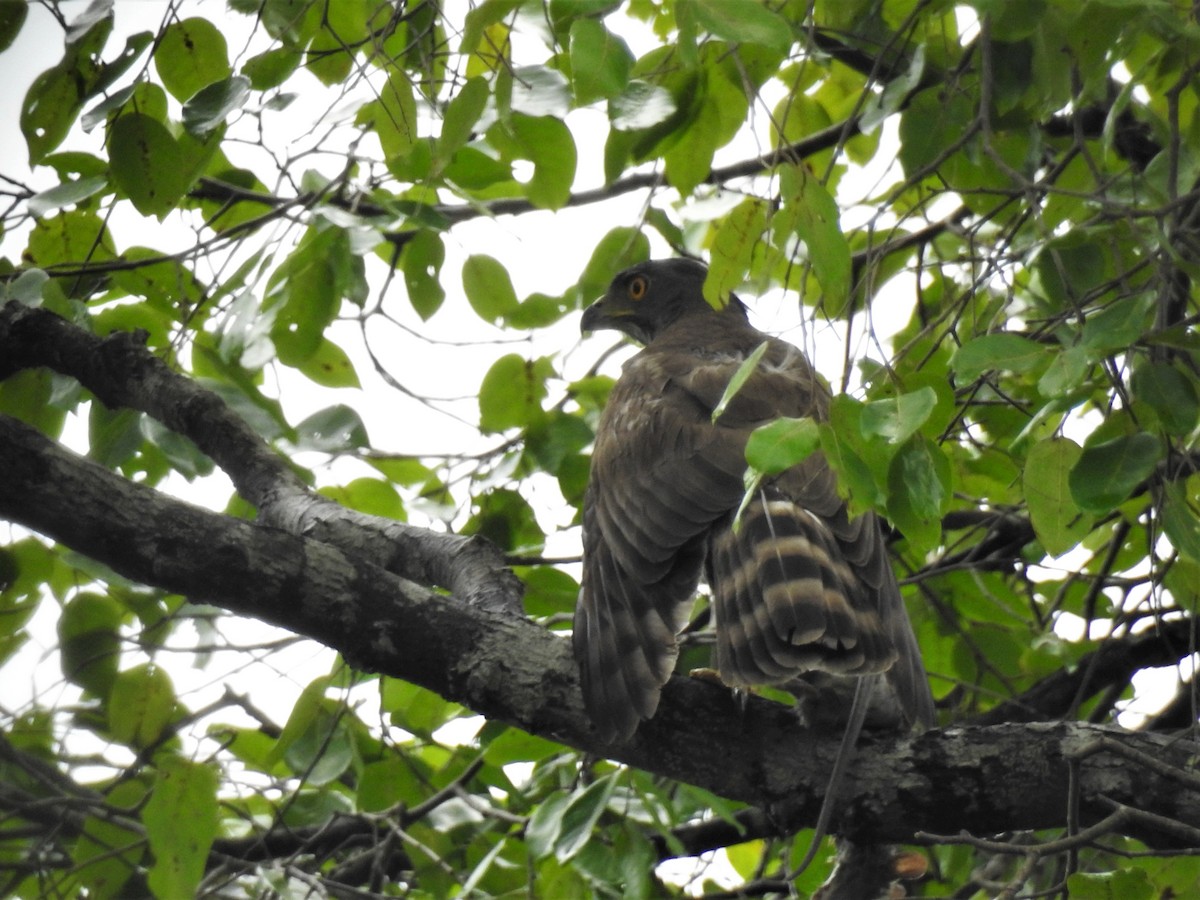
x=646, y=298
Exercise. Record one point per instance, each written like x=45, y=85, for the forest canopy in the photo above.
x=296, y=418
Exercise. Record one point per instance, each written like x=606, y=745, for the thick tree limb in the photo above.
x=122, y=373
x=1113, y=663
x=983, y=780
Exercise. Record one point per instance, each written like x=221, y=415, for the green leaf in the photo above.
x=554, y=437
x=548, y=144
x=898, y=418
x=506, y=519
x=480, y=18
x=746, y=857
x=1123, y=884
x=1181, y=518
x=394, y=117
x=111, y=848
x=330, y=366
x=1118, y=325
x=343, y=30
x=415, y=708
x=919, y=487
x=545, y=825
x=68, y=238
x=66, y=194
x=12, y=17
x=90, y=641
x=511, y=393
x=51, y=105
x=184, y=456
x=1066, y=372
x=489, y=289
x=191, y=55
x=580, y=816
x=335, y=429
x=1070, y=268
x=421, y=260
x=26, y=396
x=815, y=217
x=539, y=310
x=548, y=591
x=141, y=704
x=733, y=250
x=387, y=782
x=744, y=371
x=113, y=435
x=373, y=496
x=324, y=749
x=895, y=93
x=212, y=105
x=108, y=73
x=146, y=164
x=742, y=20
x=640, y=106
x=540, y=92
x=1170, y=393
x=856, y=482
x=1106, y=474
x=779, y=445
x=271, y=68
x=1003, y=351
x=306, y=711
x=503, y=744
x=462, y=114
x=181, y=819
x=600, y=61
x=1057, y=520
x=929, y=124
x=305, y=292
x=619, y=249
x=473, y=170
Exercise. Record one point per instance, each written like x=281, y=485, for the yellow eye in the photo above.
x=637, y=287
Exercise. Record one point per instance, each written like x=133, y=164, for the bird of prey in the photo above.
x=797, y=585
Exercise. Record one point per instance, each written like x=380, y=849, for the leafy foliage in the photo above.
x=992, y=205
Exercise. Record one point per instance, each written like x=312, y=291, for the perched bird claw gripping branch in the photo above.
x=797, y=586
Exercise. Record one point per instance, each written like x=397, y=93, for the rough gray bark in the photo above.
x=983, y=779
x=122, y=373
x=362, y=597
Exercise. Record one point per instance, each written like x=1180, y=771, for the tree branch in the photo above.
x=121, y=372
x=1114, y=662
x=983, y=780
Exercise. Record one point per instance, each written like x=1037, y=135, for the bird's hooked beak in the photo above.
x=607, y=312
x=593, y=318
x=614, y=311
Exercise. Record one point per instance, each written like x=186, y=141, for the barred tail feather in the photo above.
x=786, y=603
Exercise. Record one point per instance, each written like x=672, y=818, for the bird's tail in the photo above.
x=785, y=601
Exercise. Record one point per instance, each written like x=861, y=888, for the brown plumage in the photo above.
x=796, y=587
